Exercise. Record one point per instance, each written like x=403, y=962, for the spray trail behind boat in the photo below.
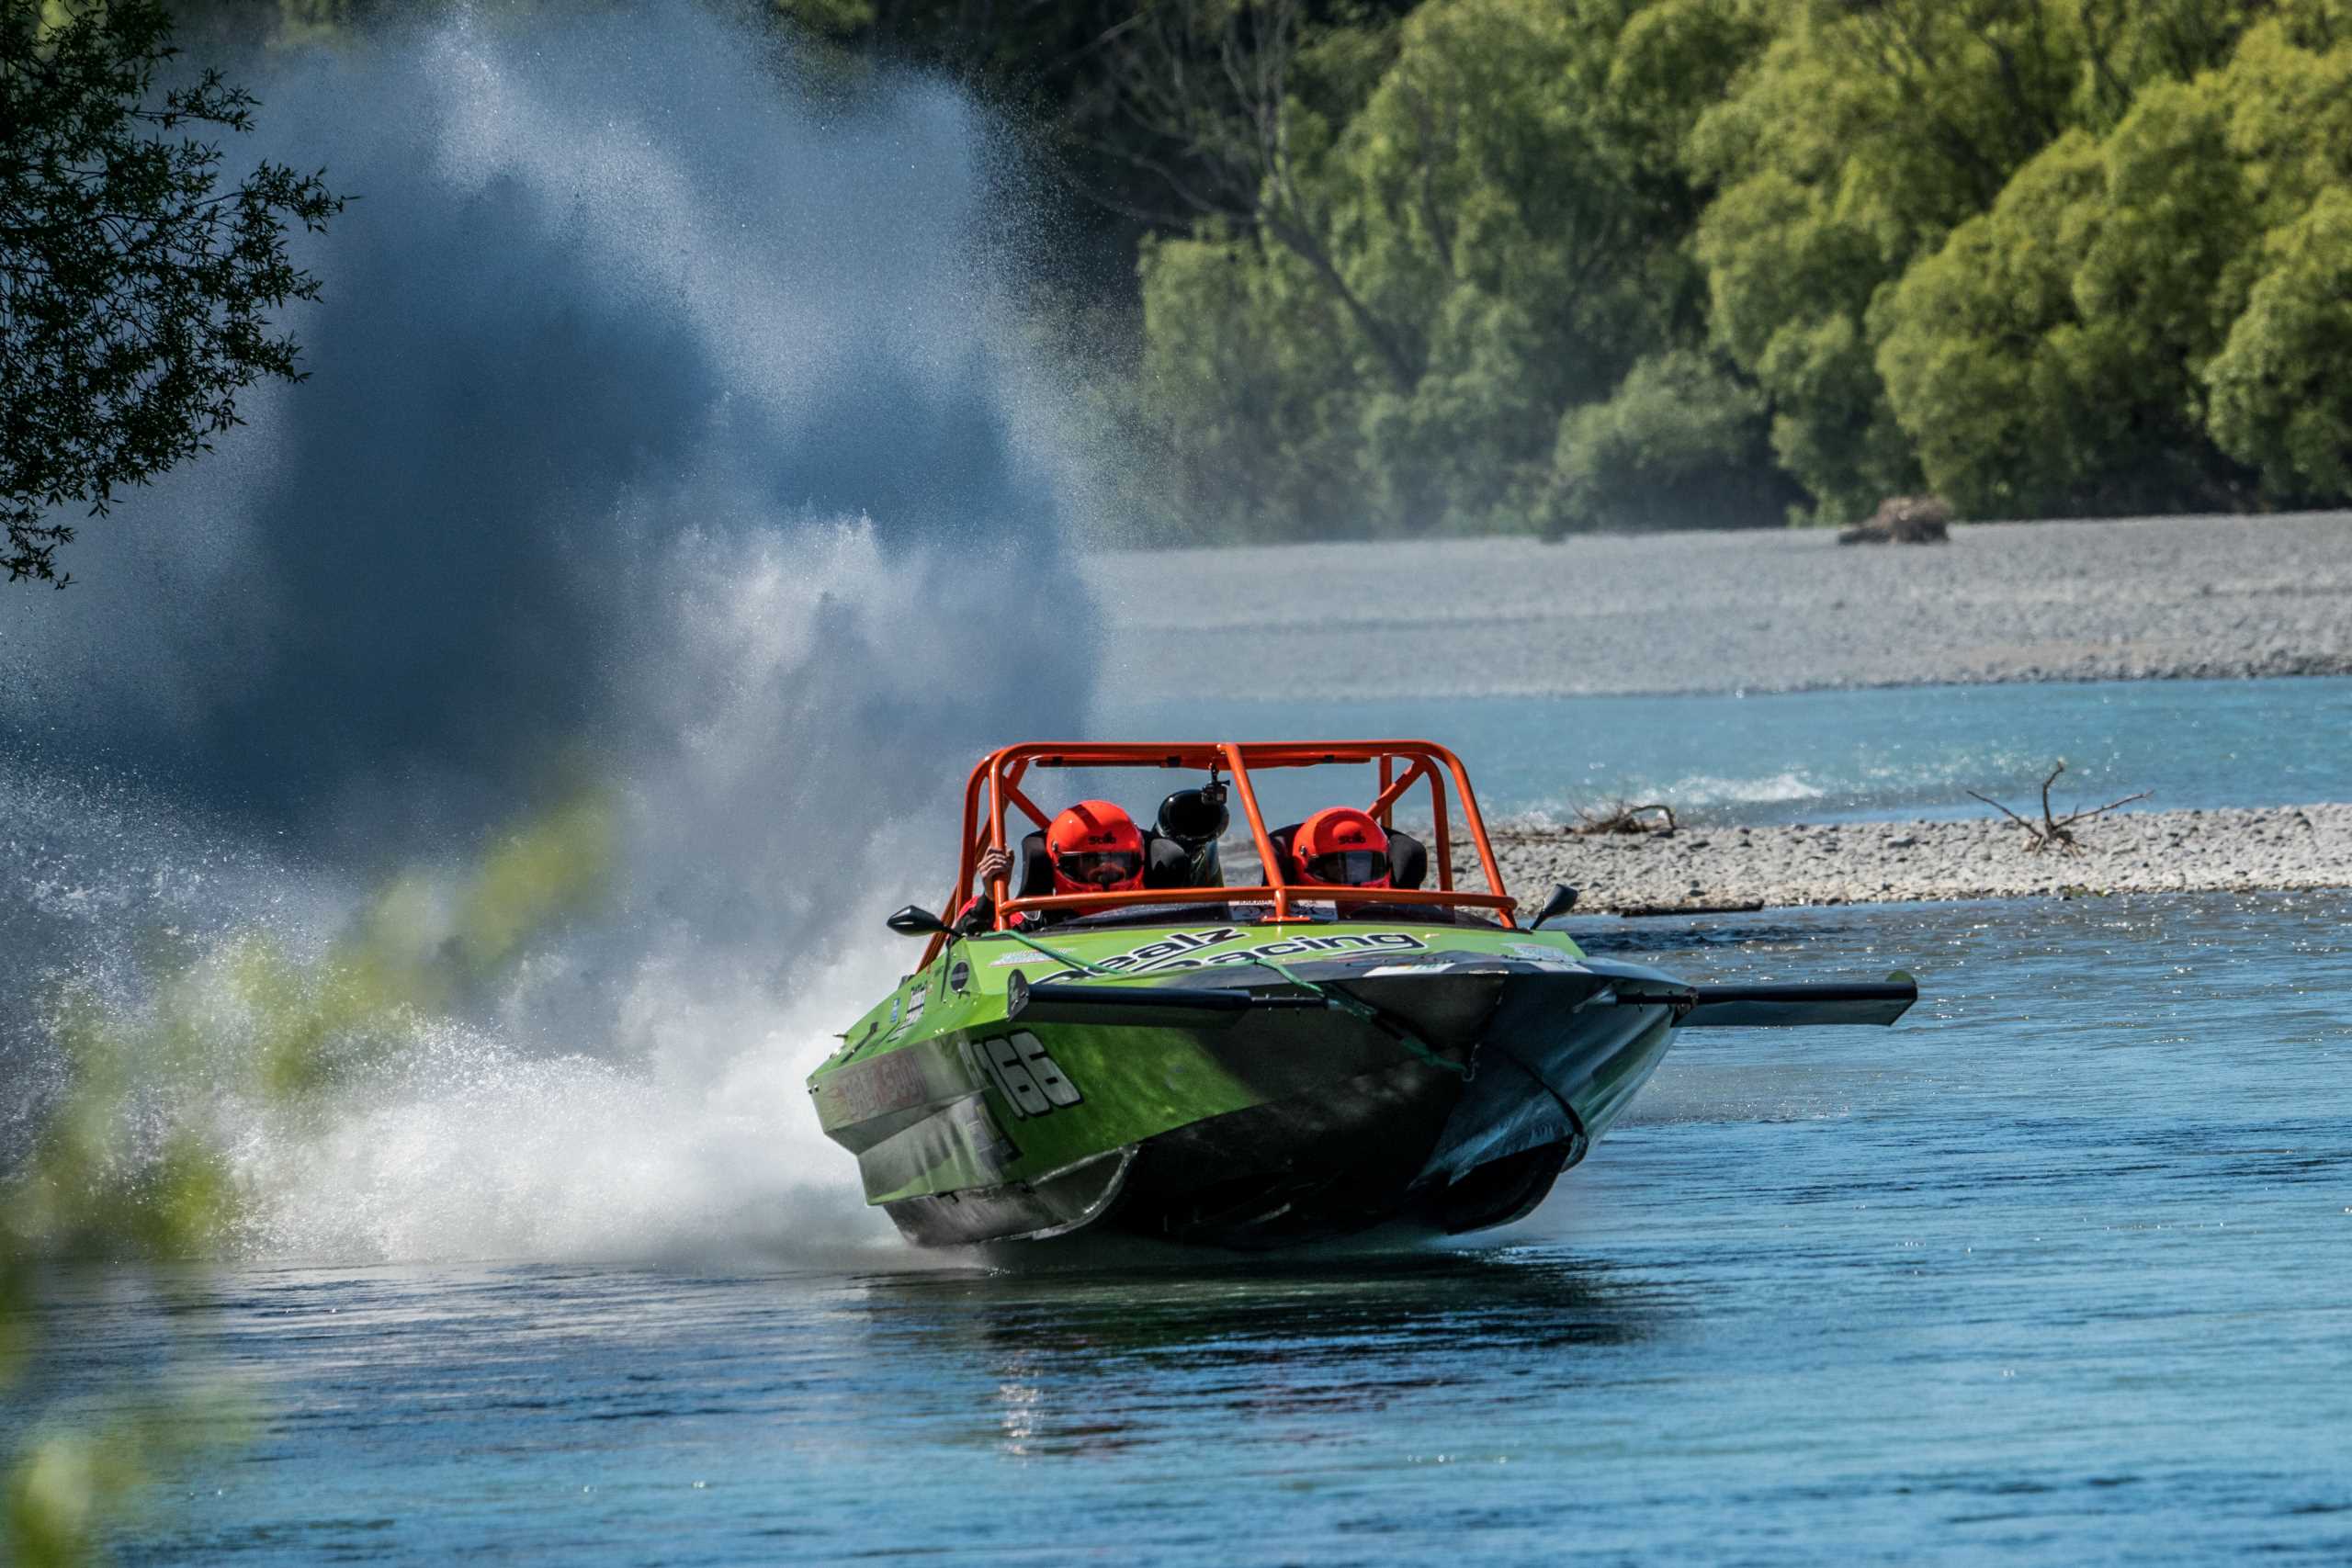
x=662, y=430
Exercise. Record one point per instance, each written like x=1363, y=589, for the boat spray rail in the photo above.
x=995, y=788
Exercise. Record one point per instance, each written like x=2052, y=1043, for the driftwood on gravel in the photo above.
x=1620, y=818
x=1903, y=519
x=2057, y=831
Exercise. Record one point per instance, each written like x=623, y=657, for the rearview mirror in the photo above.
x=915, y=921
x=1563, y=899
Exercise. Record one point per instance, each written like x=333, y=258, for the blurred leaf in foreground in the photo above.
x=129, y=1166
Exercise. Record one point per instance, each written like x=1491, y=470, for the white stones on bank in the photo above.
x=1757, y=610
x=2280, y=848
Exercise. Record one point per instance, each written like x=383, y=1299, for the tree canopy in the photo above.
x=137, y=286
x=1571, y=264
x=1385, y=267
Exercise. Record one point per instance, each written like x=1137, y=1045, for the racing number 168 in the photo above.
x=1026, y=1076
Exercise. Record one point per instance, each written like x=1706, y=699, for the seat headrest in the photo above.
x=1408, y=860
x=1037, y=868
x=1282, y=838
x=1165, y=863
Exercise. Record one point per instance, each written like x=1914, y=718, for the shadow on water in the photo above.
x=1675, y=936
x=1094, y=1352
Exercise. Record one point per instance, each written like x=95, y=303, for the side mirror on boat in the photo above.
x=1563, y=899
x=915, y=921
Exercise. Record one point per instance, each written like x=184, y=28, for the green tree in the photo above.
x=2282, y=383
x=1680, y=444
x=2047, y=359
x=1512, y=198
x=1249, y=382
x=1865, y=136
x=1484, y=263
x=1500, y=232
x=136, y=284
x=2144, y=319
x=2278, y=396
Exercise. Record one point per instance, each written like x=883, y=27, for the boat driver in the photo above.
x=1094, y=847
x=1342, y=847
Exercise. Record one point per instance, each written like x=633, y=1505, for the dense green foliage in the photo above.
x=136, y=284
x=1568, y=263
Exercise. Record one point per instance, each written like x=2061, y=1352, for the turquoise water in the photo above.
x=2059, y=1267
x=1822, y=756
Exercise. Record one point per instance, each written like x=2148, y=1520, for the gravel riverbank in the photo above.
x=1759, y=610
x=1772, y=611
x=2280, y=848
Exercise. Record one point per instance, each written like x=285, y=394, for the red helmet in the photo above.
x=1095, y=847
x=1342, y=847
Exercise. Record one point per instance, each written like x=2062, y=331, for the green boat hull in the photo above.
x=1445, y=1077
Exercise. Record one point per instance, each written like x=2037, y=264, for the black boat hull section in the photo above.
x=1446, y=1096
x=1520, y=1069
x=1797, y=1006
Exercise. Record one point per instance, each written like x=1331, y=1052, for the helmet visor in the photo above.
x=1348, y=868
x=1100, y=868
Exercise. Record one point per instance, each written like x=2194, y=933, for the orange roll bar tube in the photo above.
x=1269, y=865
x=1001, y=774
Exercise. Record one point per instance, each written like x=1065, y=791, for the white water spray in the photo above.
x=662, y=435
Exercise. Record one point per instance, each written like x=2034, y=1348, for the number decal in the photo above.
x=1049, y=1074
x=1004, y=1065
x=1028, y=1078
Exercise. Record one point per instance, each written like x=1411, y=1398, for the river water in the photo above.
x=1896, y=751
x=729, y=430
x=2057, y=1266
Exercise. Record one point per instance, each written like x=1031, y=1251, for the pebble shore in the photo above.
x=2281, y=848
x=1785, y=610
x=1761, y=610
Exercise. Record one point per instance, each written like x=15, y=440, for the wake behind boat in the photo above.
x=1331, y=1047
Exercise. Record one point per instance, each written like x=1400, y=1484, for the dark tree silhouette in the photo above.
x=136, y=288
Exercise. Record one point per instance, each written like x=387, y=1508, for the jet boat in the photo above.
x=1258, y=1064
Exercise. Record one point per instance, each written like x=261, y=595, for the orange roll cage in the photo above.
x=1401, y=763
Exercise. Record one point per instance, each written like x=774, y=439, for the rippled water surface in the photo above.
x=2059, y=1265
x=1817, y=756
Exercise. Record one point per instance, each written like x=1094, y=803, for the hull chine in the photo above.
x=1059, y=1203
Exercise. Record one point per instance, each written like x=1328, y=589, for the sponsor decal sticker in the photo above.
x=1189, y=950
x=1169, y=952
x=895, y=1082
x=1547, y=958
x=1345, y=942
